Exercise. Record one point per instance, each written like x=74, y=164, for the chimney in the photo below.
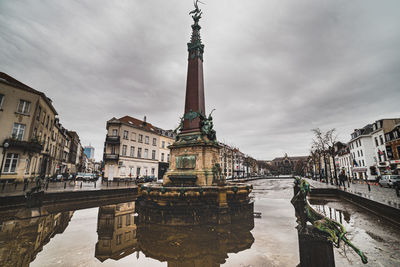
x=144, y=120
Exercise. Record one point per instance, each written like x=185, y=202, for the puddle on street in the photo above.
x=113, y=235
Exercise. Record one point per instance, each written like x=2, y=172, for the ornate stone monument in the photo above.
x=195, y=153
x=194, y=187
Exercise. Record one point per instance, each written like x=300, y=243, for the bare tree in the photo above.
x=319, y=142
x=331, y=140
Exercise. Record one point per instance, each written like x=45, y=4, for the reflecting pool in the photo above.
x=115, y=235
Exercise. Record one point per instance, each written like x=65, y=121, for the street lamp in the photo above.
x=5, y=146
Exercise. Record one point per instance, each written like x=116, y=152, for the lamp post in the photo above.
x=5, y=146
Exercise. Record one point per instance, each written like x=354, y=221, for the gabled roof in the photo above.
x=7, y=79
x=138, y=123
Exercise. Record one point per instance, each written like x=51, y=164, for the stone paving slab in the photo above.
x=379, y=194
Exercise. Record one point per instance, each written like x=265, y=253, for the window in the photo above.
x=44, y=117
x=162, y=156
x=138, y=171
x=363, y=163
x=18, y=131
x=140, y=139
x=146, y=140
x=127, y=236
x=381, y=139
x=358, y=153
x=126, y=135
x=119, y=239
x=24, y=106
x=153, y=170
x=395, y=135
x=163, y=144
x=153, y=154
x=132, y=151
x=154, y=142
x=133, y=136
x=146, y=153
x=47, y=121
x=114, y=132
x=119, y=221
x=128, y=219
x=376, y=141
x=11, y=163
x=124, y=147
x=139, y=152
x=167, y=157
x=1, y=100
x=38, y=114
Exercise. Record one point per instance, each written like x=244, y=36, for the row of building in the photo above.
x=135, y=148
x=33, y=141
x=372, y=151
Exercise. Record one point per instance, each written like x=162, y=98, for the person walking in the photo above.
x=342, y=179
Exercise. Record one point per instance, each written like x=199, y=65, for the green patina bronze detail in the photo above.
x=186, y=162
x=201, y=190
x=206, y=127
x=148, y=189
x=163, y=190
x=235, y=189
x=217, y=173
x=335, y=231
x=195, y=47
x=191, y=115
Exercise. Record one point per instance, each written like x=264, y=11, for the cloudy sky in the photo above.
x=273, y=69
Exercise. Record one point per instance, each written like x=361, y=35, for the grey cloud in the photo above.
x=273, y=69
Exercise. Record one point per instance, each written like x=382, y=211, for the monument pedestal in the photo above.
x=194, y=162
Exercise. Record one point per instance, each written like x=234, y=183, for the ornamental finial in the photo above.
x=197, y=11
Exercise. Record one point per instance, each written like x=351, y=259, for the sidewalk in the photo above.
x=18, y=190
x=379, y=194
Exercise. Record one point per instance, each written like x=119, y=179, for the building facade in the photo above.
x=133, y=149
x=89, y=151
x=29, y=133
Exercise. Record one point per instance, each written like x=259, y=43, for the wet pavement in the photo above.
x=379, y=194
x=111, y=236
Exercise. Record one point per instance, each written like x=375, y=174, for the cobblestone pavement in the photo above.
x=379, y=194
x=13, y=189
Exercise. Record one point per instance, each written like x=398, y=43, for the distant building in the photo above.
x=287, y=165
x=89, y=151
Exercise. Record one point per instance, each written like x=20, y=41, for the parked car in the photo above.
x=79, y=175
x=389, y=180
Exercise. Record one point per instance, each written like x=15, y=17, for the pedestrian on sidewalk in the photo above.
x=342, y=179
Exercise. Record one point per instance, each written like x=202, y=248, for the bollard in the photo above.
x=81, y=184
x=47, y=186
x=369, y=187
x=107, y=183
x=25, y=184
x=118, y=183
x=65, y=185
x=397, y=190
x=94, y=184
x=4, y=185
x=15, y=187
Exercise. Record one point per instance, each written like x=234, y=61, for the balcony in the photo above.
x=27, y=146
x=111, y=156
x=113, y=139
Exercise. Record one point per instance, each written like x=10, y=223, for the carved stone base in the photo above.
x=192, y=160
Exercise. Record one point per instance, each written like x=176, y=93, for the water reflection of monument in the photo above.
x=194, y=189
x=189, y=245
x=24, y=239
